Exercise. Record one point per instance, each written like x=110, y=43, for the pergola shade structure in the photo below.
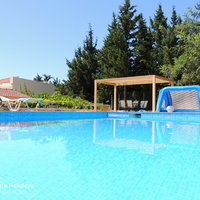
x=134, y=80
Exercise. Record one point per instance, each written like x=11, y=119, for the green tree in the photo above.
x=113, y=58
x=128, y=25
x=158, y=24
x=171, y=44
x=188, y=64
x=47, y=77
x=38, y=78
x=56, y=81
x=143, y=62
x=61, y=86
x=83, y=68
x=175, y=19
x=158, y=28
x=116, y=56
x=186, y=67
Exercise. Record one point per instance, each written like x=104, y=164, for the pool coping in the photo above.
x=6, y=116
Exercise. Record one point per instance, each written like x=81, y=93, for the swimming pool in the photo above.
x=100, y=159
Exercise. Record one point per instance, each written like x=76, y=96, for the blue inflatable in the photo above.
x=180, y=98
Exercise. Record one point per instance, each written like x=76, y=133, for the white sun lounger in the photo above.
x=9, y=102
x=18, y=102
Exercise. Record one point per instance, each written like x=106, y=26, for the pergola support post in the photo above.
x=95, y=95
x=154, y=94
x=115, y=98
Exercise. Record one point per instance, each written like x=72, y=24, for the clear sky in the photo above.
x=37, y=36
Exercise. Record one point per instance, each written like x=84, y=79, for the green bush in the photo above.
x=65, y=101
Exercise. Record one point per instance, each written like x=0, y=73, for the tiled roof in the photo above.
x=5, y=80
x=11, y=93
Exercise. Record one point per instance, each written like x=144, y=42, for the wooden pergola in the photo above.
x=134, y=80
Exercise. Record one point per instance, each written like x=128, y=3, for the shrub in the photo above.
x=65, y=101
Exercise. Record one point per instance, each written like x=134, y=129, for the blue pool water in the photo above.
x=99, y=159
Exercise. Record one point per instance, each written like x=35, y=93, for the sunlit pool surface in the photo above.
x=103, y=159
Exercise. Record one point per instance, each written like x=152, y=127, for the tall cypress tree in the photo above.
x=170, y=49
x=117, y=52
x=158, y=28
x=143, y=62
x=116, y=56
x=158, y=24
x=128, y=22
x=175, y=19
x=83, y=68
x=171, y=44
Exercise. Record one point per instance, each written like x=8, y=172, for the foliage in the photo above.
x=65, y=101
x=83, y=68
x=60, y=86
x=38, y=78
x=166, y=47
x=186, y=67
x=28, y=92
x=116, y=55
x=117, y=52
x=143, y=62
x=172, y=45
x=56, y=81
x=47, y=77
x=171, y=42
x=44, y=77
x=158, y=28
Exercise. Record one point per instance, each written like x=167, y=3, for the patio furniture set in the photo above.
x=130, y=105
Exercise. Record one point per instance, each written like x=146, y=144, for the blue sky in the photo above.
x=36, y=36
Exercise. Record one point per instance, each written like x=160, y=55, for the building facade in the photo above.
x=23, y=85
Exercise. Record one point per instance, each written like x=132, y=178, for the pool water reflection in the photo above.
x=99, y=159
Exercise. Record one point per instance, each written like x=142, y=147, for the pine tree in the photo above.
x=116, y=57
x=158, y=28
x=117, y=52
x=83, y=68
x=158, y=24
x=175, y=20
x=172, y=46
x=127, y=23
x=127, y=19
x=196, y=13
x=143, y=63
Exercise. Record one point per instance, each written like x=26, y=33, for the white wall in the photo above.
x=6, y=86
